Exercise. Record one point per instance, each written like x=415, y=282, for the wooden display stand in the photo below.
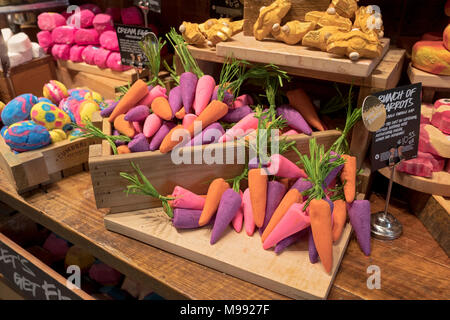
x=29, y=77
x=28, y=170
x=103, y=81
x=165, y=174
x=431, y=83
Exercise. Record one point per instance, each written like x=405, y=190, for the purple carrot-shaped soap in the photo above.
x=138, y=113
x=229, y=204
x=227, y=97
x=105, y=113
x=188, y=84
x=253, y=163
x=302, y=185
x=234, y=115
x=186, y=218
x=313, y=254
x=275, y=192
x=294, y=119
x=160, y=134
x=293, y=238
x=118, y=142
x=175, y=99
x=139, y=143
x=330, y=177
x=359, y=214
x=210, y=134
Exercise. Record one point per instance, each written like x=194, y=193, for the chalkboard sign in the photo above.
x=130, y=51
x=30, y=280
x=401, y=130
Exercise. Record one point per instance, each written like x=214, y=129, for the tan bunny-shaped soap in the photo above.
x=268, y=16
x=292, y=32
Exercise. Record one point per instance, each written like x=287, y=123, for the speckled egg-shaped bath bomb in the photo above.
x=92, y=95
x=18, y=109
x=50, y=116
x=2, y=106
x=26, y=135
x=68, y=105
x=78, y=93
x=74, y=134
x=3, y=131
x=87, y=109
x=55, y=91
x=57, y=135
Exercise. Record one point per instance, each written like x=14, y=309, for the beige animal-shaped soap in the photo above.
x=292, y=32
x=329, y=18
x=268, y=16
x=218, y=33
x=208, y=24
x=237, y=26
x=318, y=38
x=192, y=34
x=355, y=44
x=368, y=19
x=345, y=8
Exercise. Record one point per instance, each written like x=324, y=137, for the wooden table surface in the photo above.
x=412, y=267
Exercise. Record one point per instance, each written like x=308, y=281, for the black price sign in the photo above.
x=401, y=130
x=28, y=279
x=130, y=50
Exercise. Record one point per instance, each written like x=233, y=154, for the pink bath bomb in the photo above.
x=114, y=62
x=92, y=7
x=45, y=39
x=76, y=52
x=50, y=20
x=57, y=246
x=104, y=274
x=103, y=22
x=86, y=37
x=63, y=35
x=81, y=19
x=114, y=13
x=108, y=40
x=61, y=51
x=66, y=14
x=132, y=15
x=100, y=57
x=89, y=53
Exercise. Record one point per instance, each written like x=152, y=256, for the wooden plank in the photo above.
x=297, y=11
x=289, y=273
x=128, y=75
x=428, y=79
x=164, y=174
x=33, y=274
x=279, y=53
x=438, y=184
x=436, y=218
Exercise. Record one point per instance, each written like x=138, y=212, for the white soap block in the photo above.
x=16, y=58
x=19, y=43
x=37, y=50
x=7, y=34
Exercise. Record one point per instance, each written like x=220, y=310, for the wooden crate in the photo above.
x=297, y=12
x=29, y=77
x=28, y=170
x=159, y=168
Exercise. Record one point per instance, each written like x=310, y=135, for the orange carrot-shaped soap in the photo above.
x=123, y=126
x=213, y=196
x=257, y=184
x=137, y=91
x=320, y=214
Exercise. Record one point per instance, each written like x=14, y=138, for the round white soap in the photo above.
x=7, y=34
x=18, y=58
x=37, y=50
x=19, y=43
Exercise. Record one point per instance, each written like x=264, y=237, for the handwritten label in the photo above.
x=29, y=279
x=130, y=51
x=402, y=125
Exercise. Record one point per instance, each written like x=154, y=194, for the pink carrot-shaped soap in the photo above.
x=188, y=119
x=249, y=223
x=290, y=132
x=137, y=125
x=203, y=92
x=239, y=217
x=175, y=100
x=156, y=92
x=275, y=192
x=359, y=214
x=186, y=199
x=245, y=125
x=293, y=221
x=280, y=166
x=188, y=85
x=229, y=205
x=243, y=100
x=151, y=125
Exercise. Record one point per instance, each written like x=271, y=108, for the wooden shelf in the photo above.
x=428, y=79
x=67, y=207
x=34, y=6
x=438, y=184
